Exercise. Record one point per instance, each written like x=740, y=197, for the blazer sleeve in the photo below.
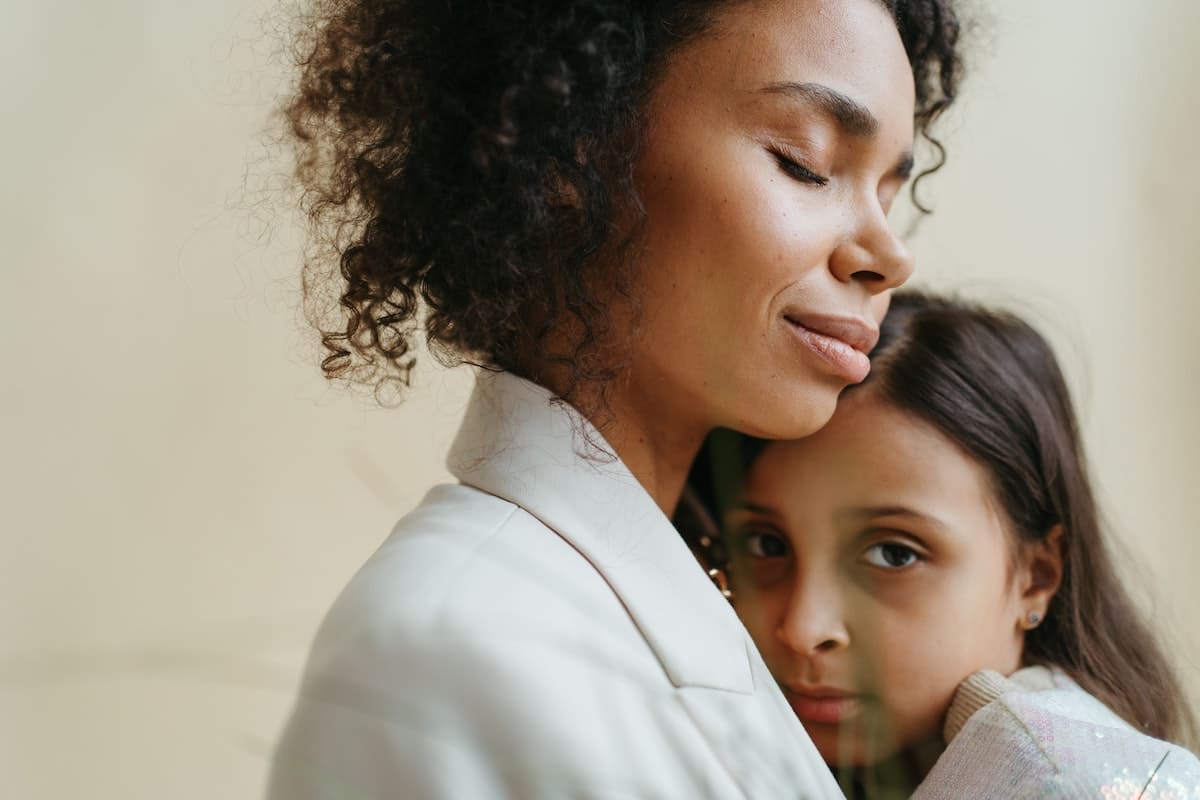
x=484, y=718
x=1052, y=741
x=368, y=726
x=439, y=719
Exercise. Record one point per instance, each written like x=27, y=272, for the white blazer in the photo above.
x=538, y=631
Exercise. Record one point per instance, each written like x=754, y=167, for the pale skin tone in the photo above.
x=876, y=571
x=776, y=143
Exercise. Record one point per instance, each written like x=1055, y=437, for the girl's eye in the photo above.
x=890, y=555
x=797, y=170
x=764, y=544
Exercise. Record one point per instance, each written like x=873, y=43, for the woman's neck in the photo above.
x=654, y=433
x=656, y=441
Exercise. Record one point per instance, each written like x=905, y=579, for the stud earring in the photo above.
x=1033, y=619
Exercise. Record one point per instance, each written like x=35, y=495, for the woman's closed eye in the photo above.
x=890, y=555
x=794, y=169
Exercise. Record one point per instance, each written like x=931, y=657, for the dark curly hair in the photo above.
x=463, y=163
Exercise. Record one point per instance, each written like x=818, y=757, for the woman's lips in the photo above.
x=841, y=342
x=826, y=706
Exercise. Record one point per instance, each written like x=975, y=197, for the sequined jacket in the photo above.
x=1037, y=734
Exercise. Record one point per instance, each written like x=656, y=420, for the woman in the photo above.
x=604, y=204
x=928, y=580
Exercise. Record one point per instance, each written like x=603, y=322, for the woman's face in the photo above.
x=873, y=568
x=775, y=145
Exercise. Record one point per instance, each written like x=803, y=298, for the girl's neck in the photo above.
x=921, y=757
x=892, y=779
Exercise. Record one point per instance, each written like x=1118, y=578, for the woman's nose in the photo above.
x=874, y=255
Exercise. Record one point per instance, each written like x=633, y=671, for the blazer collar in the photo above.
x=519, y=443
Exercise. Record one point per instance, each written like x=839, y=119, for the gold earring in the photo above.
x=721, y=581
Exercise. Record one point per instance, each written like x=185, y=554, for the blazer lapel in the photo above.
x=760, y=741
x=517, y=442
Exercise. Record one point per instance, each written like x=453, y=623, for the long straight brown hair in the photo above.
x=989, y=382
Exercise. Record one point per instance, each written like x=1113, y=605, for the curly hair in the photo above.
x=462, y=164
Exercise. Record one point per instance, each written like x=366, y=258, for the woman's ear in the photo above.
x=1041, y=575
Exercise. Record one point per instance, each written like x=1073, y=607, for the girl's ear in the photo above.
x=1041, y=575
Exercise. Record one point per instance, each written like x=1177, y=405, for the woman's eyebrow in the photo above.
x=852, y=116
x=904, y=167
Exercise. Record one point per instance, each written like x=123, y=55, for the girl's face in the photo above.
x=875, y=572
x=775, y=144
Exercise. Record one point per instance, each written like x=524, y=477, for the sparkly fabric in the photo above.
x=1037, y=734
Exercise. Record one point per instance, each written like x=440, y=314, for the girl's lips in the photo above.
x=826, y=706
x=847, y=362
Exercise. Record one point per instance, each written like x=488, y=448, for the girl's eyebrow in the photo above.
x=871, y=512
x=756, y=508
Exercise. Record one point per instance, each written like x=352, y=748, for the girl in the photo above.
x=939, y=534
x=604, y=204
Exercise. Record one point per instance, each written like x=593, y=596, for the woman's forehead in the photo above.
x=848, y=39
x=805, y=58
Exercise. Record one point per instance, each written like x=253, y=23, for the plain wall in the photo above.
x=182, y=495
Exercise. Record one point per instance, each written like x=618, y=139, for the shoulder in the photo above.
x=462, y=568
x=1039, y=734
x=466, y=655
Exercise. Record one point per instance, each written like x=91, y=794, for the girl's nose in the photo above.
x=814, y=621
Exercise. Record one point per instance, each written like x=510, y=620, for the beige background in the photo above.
x=182, y=496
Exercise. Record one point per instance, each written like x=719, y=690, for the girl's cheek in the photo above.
x=885, y=657
x=897, y=651
x=755, y=615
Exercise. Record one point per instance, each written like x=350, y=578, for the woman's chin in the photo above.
x=793, y=416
